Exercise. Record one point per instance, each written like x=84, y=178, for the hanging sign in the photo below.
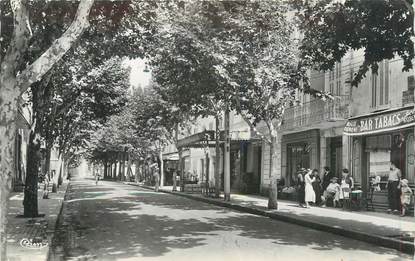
x=380, y=123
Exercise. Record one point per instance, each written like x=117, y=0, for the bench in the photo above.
x=200, y=189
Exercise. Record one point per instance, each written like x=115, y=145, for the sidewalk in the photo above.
x=40, y=229
x=374, y=227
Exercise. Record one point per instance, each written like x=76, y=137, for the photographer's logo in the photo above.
x=33, y=243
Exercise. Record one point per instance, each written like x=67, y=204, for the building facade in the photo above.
x=198, y=156
x=362, y=129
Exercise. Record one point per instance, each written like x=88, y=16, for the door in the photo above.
x=336, y=156
x=410, y=158
x=298, y=156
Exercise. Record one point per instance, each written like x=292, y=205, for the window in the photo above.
x=338, y=88
x=374, y=89
x=331, y=75
x=331, y=87
x=335, y=78
x=411, y=83
x=338, y=70
x=380, y=85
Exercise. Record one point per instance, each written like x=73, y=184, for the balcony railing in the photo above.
x=407, y=97
x=316, y=111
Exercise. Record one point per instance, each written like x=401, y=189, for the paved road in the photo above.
x=113, y=221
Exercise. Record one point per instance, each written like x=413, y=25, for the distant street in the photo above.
x=113, y=221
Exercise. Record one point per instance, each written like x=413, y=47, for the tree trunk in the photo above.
x=124, y=170
x=114, y=170
x=181, y=171
x=120, y=156
x=273, y=190
x=137, y=170
x=174, y=174
x=30, y=202
x=60, y=174
x=47, y=162
x=105, y=169
x=227, y=151
x=110, y=175
x=161, y=169
x=8, y=113
x=217, y=158
x=129, y=171
x=207, y=174
x=65, y=168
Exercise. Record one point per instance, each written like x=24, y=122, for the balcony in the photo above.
x=407, y=98
x=316, y=114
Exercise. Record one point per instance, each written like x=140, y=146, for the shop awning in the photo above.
x=380, y=122
x=197, y=140
x=207, y=138
x=171, y=157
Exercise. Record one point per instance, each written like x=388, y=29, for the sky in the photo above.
x=137, y=75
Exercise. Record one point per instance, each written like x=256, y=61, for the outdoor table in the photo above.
x=356, y=199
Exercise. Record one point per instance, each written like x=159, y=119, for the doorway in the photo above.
x=336, y=156
x=298, y=157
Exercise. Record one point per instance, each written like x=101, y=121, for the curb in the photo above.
x=58, y=218
x=402, y=246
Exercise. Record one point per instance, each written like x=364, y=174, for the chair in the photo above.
x=346, y=198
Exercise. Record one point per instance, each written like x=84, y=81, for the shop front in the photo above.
x=299, y=150
x=377, y=140
x=245, y=167
x=170, y=166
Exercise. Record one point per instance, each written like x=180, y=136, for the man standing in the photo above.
x=327, y=176
x=393, y=188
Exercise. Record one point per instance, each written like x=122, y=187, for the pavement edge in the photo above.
x=402, y=246
x=58, y=218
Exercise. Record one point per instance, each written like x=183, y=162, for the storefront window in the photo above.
x=379, y=148
x=357, y=155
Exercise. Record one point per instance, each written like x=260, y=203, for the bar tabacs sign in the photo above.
x=380, y=123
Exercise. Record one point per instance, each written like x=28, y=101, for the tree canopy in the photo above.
x=383, y=28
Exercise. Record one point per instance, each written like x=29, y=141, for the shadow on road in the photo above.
x=112, y=221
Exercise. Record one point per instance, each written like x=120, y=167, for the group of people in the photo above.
x=313, y=189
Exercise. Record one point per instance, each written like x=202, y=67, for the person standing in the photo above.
x=393, y=188
x=317, y=186
x=327, y=176
x=310, y=196
x=406, y=195
x=346, y=185
x=300, y=188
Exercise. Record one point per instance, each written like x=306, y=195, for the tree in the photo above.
x=240, y=54
x=16, y=76
x=183, y=60
x=91, y=97
x=143, y=127
x=260, y=38
x=332, y=28
x=49, y=20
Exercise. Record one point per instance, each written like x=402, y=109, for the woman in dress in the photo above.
x=346, y=185
x=300, y=187
x=310, y=195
